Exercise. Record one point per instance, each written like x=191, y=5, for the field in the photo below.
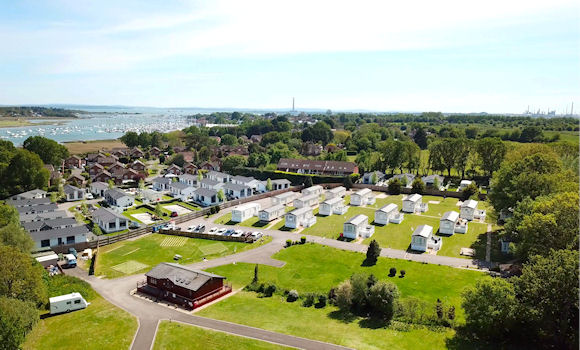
x=130, y=257
x=172, y=335
x=316, y=268
x=398, y=236
x=100, y=326
x=92, y=146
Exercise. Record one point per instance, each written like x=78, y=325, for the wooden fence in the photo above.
x=207, y=236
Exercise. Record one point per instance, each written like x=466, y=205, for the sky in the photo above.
x=449, y=56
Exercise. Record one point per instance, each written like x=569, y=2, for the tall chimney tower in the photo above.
x=293, y=104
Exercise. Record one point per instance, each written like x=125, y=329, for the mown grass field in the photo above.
x=138, y=256
x=174, y=335
x=92, y=146
x=317, y=268
x=100, y=326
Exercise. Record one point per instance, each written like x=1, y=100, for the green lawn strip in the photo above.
x=174, y=335
x=325, y=324
x=188, y=206
x=116, y=233
x=475, y=238
x=317, y=268
x=138, y=256
x=100, y=326
x=225, y=219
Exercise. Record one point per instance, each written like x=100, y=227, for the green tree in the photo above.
x=344, y=296
x=221, y=196
x=144, y=139
x=232, y=162
x=319, y=132
x=347, y=182
x=269, y=185
x=130, y=139
x=177, y=159
x=358, y=282
x=470, y=191
x=463, y=149
x=382, y=299
x=229, y=140
x=21, y=276
x=17, y=318
x=255, y=279
x=443, y=155
x=11, y=233
x=307, y=181
x=491, y=152
x=394, y=186
x=158, y=210
x=50, y=151
x=393, y=154
x=420, y=138
x=373, y=253
x=25, y=172
x=471, y=132
x=97, y=230
x=418, y=186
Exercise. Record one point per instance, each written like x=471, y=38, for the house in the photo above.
x=358, y=226
x=37, y=193
x=103, y=176
x=161, y=183
x=131, y=175
x=54, y=175
x=211, y=184
x=405, y=179
x=332, y=206
x=37, y=209
x=73, y=193
x=300, y=217
x=318, y=167
x=187, y=156
x=362, y=197
x=73, y=162
x=75, y=180
x=388, y=213
x=414, y=204
x=174, y=169
x=450, y=223
x=234, y=190
x=272, y=213
x=373, y=178
x=470, y=212
x=211, y=166
x=181, y=190
x=117, y=168
x=284, y=198
x=463, y=184
x=60, y=236
x=206, y=197
x=217, y=176
x=155, y=152
x=57, y=214
x=245, y=211
x=119, y=152
x=98, y=188
x=250, y=182
x=95, y=169
x=151, y=196
x=309, y=201
x=138, y=166
x=92, y=157
x=118, y=198
x=109, y=221
x=189, y=179
x=335, y=192
x=316, y=189
x=423, y=239
x=280, y=184
x=107, y=160
x=183, y=286
x=136, y=153
x=190, y=168
x=18, y=203
x=431, y=180
x=49, y=224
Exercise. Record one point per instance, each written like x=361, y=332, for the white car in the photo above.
x=238, y=233
x=213, y=231
x=190, y=229
x=89, y=196
x=221, y=231
x=257, y=235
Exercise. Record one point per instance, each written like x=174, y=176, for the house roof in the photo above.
x=179, y=185
x=138, y=162
x=465, y=182
x=285, y=195
x=380, y=175
x=319, y=165
x=388, y=208
x=423, y=231
x=187, y=177
x=357, y=220
x=70, y=189
x=76, y=176
x=247, y=206
x=333, y=201
x=38, y=208
x=182, y=276
x=98, y=165
x=280, y=181
x=43, y=216
x=206, y=192
x=413, y=198
x=410, y=177
x=450, y=216
x=210, y=182
x=30, y=194
x=313, y=188
x=27, y=202
x=244, y=179
x=274, y=208
x=104, y=172
x=363, y=192
x=115, y=193
x=49, y=223
x=60, y=232
x=470, y=203
x=99, y=185
x=162, y=180
x=308, y=197
x=300, y=211
x=174, y=166
x=106, y=215
x=337, y=189
x=217, y=174
x=431, y=178
x=234, y=187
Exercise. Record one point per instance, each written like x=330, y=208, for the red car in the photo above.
x=173, y=214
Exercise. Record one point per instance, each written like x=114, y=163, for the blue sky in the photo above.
x=451, y=56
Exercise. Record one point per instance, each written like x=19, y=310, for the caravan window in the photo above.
x=78, y=301
x=68, y=302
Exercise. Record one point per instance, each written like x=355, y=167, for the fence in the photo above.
x=208, y=236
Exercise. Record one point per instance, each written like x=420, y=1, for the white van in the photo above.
x=70, y=260
x=67, y=302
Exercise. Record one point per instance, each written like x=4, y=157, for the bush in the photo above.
x=321, y=301
x=269, y=289
x=403, y=272
x=308, y=300
x=292, y=296
x=302, y=239
x=394, y=187
x=418, y=186
x=92, y=266
x=288, y=243
x=373, y=253
x=392, y=272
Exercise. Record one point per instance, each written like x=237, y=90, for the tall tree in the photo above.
x=463, y=148
x=25, y=172
x=382, y=299
x=130, y=139
x=17, y=318
x=491, y=151
x=442, y=155
x=21, y=276
x=50, y=151
x=420, y=138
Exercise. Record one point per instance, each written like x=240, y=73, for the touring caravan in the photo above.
x=67, y=303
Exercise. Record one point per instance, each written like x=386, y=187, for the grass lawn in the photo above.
x=317, y=268
x=100, y=326
x=140, y=255
x=92, y=146
x=326, y=324
x=188, y=206
x=175, y=335
x=130, y=212
x=225, y=220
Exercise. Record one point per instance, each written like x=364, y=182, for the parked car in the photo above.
x=191, y=229
x=222, y=231
x=89, y=196
x=257, y=235
x=213, y=231
x=72, y=251
x=134, y=224
x=173, y=214
x=201, y=228
x=70, y=261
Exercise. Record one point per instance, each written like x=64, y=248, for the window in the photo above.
x=60, y=241
x=45, y=243
x=68, y=302
x=153, y=280
x=111, y=225
x=70, y=240
x=77, y=301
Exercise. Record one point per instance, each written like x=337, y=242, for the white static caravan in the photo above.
x=300, y=217
x=332, y=206
x=423, y=239
x=272, y=213
x=67, y=302
x=470, y=212
x=448, y=222
x=358, y=226
x=309, y=201
x=362, y=197
x=284, y=198
x=335, y=192
x=414, y=204
x=388, y=213
x=316, y=189
x=245, y=211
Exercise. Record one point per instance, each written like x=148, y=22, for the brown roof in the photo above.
x=318, y=165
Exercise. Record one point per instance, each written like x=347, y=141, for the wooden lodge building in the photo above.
x=183, y=286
